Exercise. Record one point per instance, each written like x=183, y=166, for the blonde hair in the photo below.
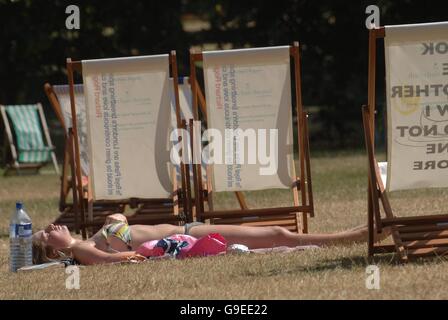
x=42, y=253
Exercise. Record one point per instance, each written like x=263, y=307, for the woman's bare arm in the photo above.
x=88, y=255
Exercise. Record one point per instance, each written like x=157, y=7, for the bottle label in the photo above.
x=21, y=230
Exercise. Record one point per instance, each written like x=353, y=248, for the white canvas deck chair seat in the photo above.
x=417, y=143
x=185, y=113
x=27, y=138
x=128, y=124
x=59, y=97
x=250, y=90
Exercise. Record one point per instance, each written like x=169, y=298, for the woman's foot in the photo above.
x=385, y=233
x=362, y=233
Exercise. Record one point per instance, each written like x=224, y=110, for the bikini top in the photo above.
x=119, y=230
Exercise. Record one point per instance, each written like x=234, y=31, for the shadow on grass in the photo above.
x=349, y=263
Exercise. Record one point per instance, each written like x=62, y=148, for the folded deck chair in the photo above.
x=250, y=90
x=417, y=143
x=30, y=145
x=59, y=97
x=128, y=124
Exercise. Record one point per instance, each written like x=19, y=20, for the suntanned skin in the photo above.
x=95, y=251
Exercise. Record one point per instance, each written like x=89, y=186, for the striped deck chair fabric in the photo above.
x=28, y=133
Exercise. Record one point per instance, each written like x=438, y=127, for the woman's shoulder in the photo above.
x=88, y=252
x=89, y=243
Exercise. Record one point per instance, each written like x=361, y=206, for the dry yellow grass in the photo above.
x=336, y=273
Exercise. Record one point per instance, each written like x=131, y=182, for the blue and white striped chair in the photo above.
x=28, y=137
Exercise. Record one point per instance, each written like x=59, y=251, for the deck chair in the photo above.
x=128, y=119
x=259, y=98
x=59, y=97
x=186, y=113
x=416, y=144
x=30, y=147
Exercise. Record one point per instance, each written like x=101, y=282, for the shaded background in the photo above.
x=34, y=45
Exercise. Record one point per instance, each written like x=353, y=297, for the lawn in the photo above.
x=339, y=182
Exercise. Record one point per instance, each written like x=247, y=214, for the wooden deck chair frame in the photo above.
x=14, y=164
x=301, y=188
x=159, y=215
x=413, y=236
x=67, y=216
x=206, y=185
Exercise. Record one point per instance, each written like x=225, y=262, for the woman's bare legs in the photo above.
x=267, y=237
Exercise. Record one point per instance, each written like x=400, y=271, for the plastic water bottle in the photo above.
x=20, y=239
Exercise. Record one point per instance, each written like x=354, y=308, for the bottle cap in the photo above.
x=19, y=205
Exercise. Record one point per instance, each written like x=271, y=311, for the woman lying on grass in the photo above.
x=117, y=241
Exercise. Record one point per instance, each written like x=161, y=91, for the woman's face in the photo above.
x=55, y=236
